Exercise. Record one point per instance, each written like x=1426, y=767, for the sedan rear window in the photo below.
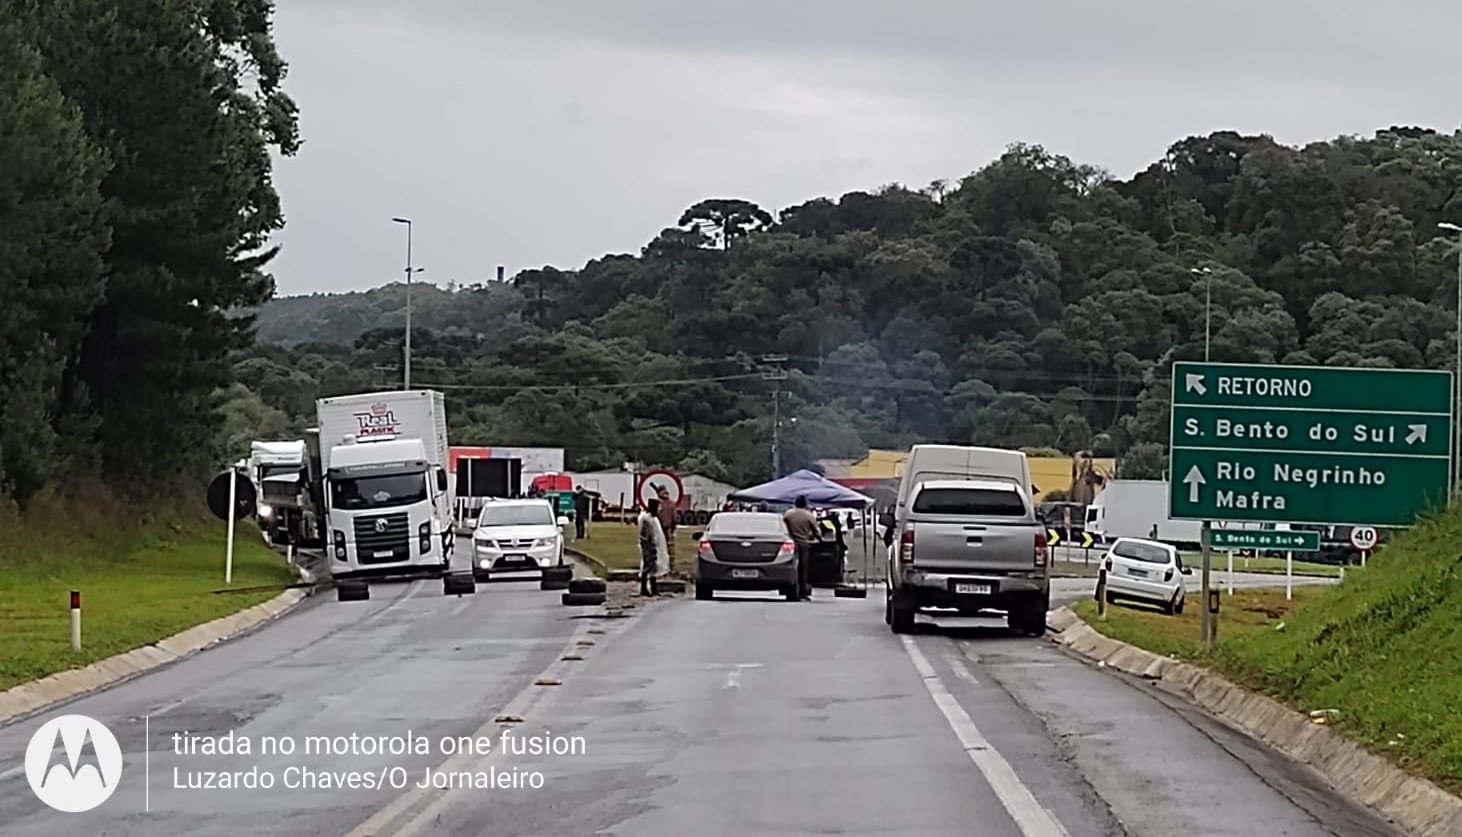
x=749, y=524
x=970, y=502
x=1144, y=552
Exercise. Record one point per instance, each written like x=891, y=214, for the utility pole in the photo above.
x=1457, y=369
x=777, y=375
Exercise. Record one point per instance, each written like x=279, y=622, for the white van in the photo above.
x=960, y=462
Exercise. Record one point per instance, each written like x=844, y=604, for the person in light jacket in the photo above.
x=654, y=553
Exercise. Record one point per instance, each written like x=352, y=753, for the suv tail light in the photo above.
x=906, y=546
x=1041, y=550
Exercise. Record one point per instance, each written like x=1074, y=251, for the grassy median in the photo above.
x=617, y=546
x=1384, y=648
x=139, y=581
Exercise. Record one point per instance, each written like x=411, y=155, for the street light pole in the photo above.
x=407, y=221
x=1457, y=369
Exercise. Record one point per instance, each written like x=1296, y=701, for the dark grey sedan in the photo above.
x=745, y=551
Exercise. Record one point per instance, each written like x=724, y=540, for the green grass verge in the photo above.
x=1266, y=566
x=1384, y=648
x=138, y=586
x=617, y=546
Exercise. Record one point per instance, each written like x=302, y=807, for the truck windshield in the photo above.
x=534, y=515
x=969, y=502
x=354, y=493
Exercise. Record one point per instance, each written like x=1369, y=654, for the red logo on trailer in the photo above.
x=653, y=481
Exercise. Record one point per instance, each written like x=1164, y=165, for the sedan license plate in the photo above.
x=745, y=574
x=973, y=589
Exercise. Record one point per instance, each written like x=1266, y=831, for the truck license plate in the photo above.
x=745, y=574
x=973, y=589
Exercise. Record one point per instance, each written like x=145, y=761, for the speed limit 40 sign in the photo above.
x=1364, y=538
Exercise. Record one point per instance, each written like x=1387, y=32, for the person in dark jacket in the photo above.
x=581, y=513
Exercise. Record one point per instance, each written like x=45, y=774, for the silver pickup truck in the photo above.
x=969, y=545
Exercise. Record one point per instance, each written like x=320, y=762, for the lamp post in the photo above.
x=409, y=270
x=1207, y=306
x=1457, y=369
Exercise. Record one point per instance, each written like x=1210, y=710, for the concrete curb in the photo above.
x=37, y=695
x=1417, y=806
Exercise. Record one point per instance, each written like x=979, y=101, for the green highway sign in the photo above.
x=1309, y=445
x=1292, y=541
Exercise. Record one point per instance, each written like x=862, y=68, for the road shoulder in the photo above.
x=1417, y=806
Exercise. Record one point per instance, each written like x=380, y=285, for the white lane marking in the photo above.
x=1032, y=817
x=958, y=667
x=733, y=677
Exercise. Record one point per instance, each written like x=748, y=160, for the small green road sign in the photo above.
x=1311, y=445
x=1275, y=539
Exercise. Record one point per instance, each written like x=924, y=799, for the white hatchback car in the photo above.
x=1146, y=571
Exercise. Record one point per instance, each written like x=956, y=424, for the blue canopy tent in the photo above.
x=820, y=492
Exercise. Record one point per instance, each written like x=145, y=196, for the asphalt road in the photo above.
x=732, y=717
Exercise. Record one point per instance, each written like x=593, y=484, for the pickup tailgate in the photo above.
x=972, y=529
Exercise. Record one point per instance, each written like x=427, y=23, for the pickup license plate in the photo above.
x=973, y=589
x=745, y=574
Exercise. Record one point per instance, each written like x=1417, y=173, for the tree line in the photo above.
x=1035, y=303
x=136, y=207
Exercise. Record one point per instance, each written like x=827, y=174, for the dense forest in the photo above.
x=136, y=206
x=1035, y=303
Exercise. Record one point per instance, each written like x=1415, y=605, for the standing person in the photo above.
x=651, y=538
x=581, y=513
x=802, y=526
x=667, y=523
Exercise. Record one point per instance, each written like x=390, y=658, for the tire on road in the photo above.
x=1029, y=617
x=562, y=572
x=704, y=592
x=901, y=619
x=587, y=585
x=582, y=599
x=353, y=591
x=458, y=585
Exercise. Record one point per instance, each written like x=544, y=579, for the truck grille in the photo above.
x=383, y=547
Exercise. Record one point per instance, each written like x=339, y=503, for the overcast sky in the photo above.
x=531, y=132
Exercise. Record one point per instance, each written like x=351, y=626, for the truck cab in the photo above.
x=389, y=510
x=280, y=473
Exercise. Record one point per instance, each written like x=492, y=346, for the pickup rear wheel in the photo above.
x=901, y=619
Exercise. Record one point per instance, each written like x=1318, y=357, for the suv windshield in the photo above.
x=750, y=525
x=1144, y=552
x=970, y=502
x=355, y=493
x=534, y=515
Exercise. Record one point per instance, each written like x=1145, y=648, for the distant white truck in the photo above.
x=387, y=497
x=1139, y=509
x=280, y=474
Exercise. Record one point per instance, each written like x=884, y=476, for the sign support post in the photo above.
x=1289, y=576
x=233, y=504
x=1230, y=572
x=1208, y=628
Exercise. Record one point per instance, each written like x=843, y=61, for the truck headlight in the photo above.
x=423, y=534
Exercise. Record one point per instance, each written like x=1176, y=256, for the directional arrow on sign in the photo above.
x=1194, y=480
x=1195, y=384
x=1417, y=434
x=1086, y=540
x=1052, y=537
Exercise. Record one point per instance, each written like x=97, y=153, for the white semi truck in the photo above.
x=1139, y=509
x=385, y=489
x=281, y=475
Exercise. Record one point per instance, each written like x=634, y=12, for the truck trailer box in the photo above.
x=403, y=414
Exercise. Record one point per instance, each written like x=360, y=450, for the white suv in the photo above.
x=1146, y=571
x=517, y=536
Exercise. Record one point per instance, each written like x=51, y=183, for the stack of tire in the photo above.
x=556, y=578
x=585, y=592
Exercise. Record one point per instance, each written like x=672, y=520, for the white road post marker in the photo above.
x=75, y=620
x=1030, y=816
